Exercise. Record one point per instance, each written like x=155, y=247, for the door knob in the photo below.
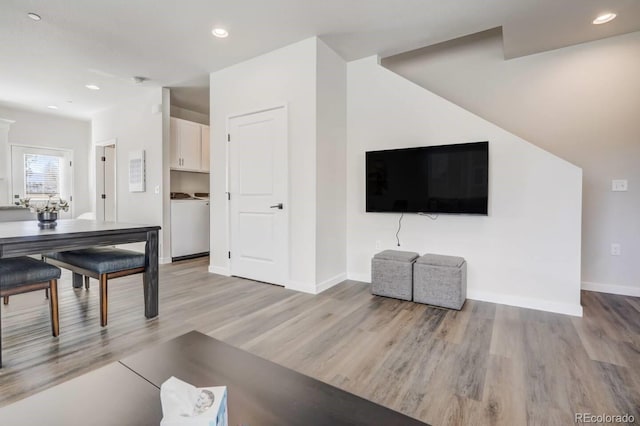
x=278, y=206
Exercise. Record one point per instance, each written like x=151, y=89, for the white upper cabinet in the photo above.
x=175, y=158
x=205, y=147
x=189, y=146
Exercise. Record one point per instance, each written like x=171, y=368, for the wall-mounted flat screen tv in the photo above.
x=430, y=179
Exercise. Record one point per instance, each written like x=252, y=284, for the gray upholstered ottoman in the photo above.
x=392, y=274
x=440, y=280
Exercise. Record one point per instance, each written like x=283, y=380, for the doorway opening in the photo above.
x=106, y=181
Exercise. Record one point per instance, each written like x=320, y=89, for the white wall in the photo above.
x=189, y=182
x=5, y=162
x=285, y=76
x=526, y=252
x=50, y=131
x=331, y=172
x=310, y=79
x=581, y=103
x=189, y=115
x=135, y=125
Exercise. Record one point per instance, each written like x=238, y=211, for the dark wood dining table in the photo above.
x=260, y=392
x=26, y=237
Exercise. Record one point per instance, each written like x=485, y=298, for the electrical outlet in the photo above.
x=616, y=249
x=378, y=244
x=157, y=189
x=619, y=185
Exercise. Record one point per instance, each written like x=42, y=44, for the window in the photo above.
x=42, y=175
x=38, y=173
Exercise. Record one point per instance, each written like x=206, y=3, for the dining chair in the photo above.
x=18, y=214
x=102, y=264
x=24, y=274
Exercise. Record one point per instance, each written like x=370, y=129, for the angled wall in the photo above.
x=581, y=103
x=526, y=252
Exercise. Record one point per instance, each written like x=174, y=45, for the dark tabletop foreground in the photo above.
x=260, y=392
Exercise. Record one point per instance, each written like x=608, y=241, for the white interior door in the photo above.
x=258, y=186
x=37, y=173
x=106, y=183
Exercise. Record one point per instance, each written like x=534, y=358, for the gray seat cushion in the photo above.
x=18, y=271
x=397, y=255
x=441, y=260
x=101, y=260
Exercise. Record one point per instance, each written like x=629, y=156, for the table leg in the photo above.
x=77, y=280
x=151, y=275
x=0, y=339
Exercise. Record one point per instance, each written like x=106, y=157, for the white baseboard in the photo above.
x=219, y=270
x=327, y=284
x=365, y=278
x=301, y=287
x=164, y=260
x=611, y=288
x=523, y=302
x=503, y=299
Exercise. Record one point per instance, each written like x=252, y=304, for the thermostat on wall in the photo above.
x=136, y=171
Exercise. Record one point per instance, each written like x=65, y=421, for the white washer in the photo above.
x=189, y=228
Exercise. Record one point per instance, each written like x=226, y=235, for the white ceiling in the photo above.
x=169, y=41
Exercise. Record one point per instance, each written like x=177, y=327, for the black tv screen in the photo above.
x=431, y=179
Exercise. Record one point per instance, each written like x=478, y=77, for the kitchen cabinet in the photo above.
x=205, y=147
x=188, y=146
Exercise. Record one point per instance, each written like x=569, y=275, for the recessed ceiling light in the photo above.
x=92, y=87
x=34, y=16
x=604, y=18
x=52, y=107
x=220, y=32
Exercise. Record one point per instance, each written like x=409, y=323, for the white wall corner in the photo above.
x=219, y=270
x=164, y=260
x=612, y=288
x=6, y=122
x=327, y=284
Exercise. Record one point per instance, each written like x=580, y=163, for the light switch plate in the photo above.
x=619, y=185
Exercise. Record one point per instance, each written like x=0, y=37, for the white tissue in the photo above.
x=186, y=405
x=178, y=398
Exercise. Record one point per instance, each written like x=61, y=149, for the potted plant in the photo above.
x=47, y=210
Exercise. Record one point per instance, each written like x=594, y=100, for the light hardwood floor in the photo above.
x=487, y=364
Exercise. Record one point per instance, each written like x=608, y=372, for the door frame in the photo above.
x=71, y=173
x=286, y=202
x=102, y=144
